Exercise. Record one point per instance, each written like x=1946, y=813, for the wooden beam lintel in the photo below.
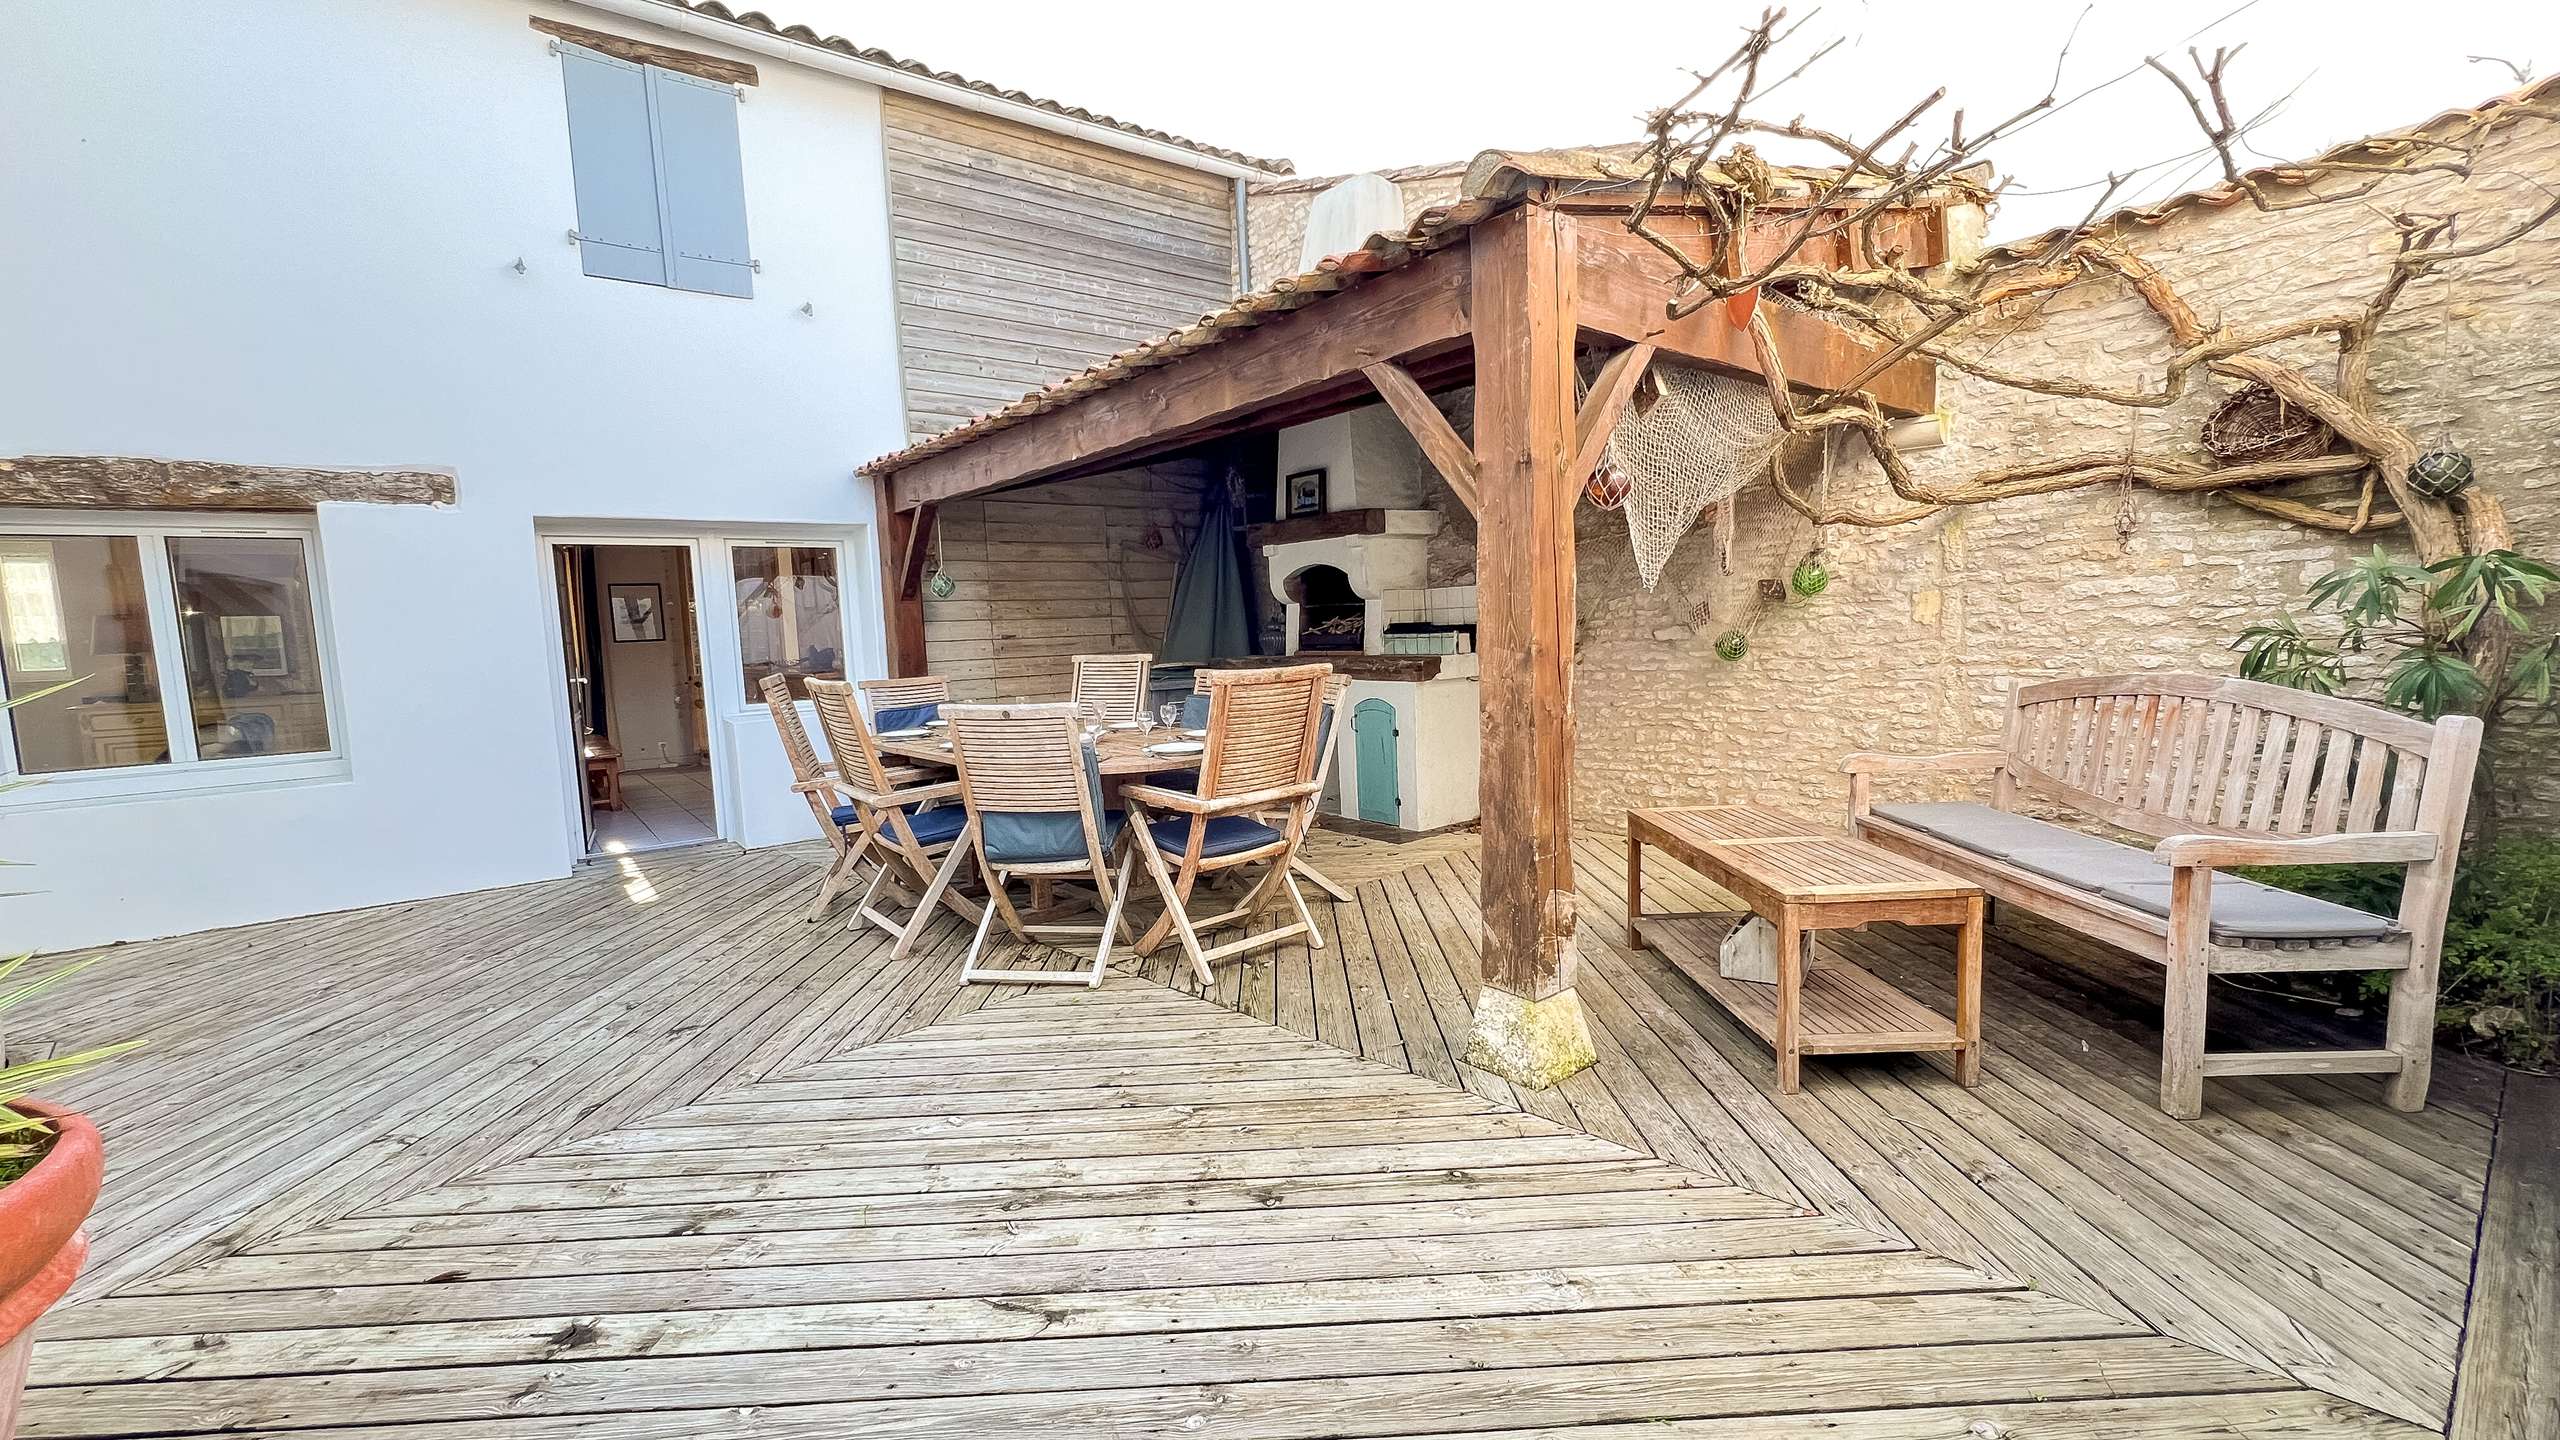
x=132, y=482
x=1430, y=429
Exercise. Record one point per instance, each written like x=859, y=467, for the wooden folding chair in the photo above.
x=1033, y=794
x=897, y=821
x=903, y=703
x=1257, y=785
x=1195, y=716
x=1114, y=686
x=813, y=780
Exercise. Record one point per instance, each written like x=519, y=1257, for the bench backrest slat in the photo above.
x=2177, y=754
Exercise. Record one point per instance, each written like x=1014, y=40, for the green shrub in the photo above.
x=2499, y=992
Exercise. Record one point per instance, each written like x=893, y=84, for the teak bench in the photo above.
x=2222, y=772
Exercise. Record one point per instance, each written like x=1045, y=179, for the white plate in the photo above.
x=1197, y=734
x=935, y=724
x=916, y=733
x=1177, y=747
x=1121, y=725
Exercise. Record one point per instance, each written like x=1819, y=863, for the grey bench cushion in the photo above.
x=2243, y=910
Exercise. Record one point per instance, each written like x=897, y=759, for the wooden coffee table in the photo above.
x=1803, y=877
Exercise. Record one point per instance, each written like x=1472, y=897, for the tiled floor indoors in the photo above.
x=661, y=808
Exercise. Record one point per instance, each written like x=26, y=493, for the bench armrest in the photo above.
x=1189, y=804
x=1953, y=761
x=2215, y=852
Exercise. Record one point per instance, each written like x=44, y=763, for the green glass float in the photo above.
x=2441, y=473
x=1731, y=644
x=1810, y=579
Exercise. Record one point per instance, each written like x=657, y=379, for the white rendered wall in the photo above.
x=285, y=233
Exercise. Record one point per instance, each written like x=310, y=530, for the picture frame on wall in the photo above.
x=1302, y=494
x=254, y=645
x=637, y=611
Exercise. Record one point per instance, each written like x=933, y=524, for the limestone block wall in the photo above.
x=1923, y=625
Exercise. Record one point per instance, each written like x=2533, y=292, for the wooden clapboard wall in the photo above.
x=1024, y=256
x=1053, y=571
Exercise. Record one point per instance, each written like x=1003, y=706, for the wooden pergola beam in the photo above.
x=1529, y=1025
x=902, y=604
x=1625, y=286
x=131, y=482
x=1187, y=399
x=1430, y=429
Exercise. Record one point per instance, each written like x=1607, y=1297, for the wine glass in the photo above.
x=1170, y=712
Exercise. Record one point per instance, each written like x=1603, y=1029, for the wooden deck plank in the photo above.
x=649, y=1144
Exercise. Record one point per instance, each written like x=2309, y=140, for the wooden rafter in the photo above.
x=641, y=52
x=1610, y=391
x=1430, y=429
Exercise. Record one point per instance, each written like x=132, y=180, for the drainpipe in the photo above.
x=1244, y=242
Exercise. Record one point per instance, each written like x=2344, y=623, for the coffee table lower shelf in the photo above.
x=1843, y=1009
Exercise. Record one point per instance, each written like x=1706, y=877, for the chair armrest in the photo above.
x=823, y=782
x=1952, y=761
x=1190, y=804
x=2215, y=852
x=918, y=794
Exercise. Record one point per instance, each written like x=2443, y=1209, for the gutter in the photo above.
x=887, y=77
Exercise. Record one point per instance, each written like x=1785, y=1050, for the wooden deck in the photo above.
x=640, y=1154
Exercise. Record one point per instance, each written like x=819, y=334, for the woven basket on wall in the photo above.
x=2257, y=425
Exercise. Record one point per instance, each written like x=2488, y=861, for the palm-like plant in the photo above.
x=2425, y=623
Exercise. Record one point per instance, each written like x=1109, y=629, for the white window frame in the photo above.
x=184, y=771
x=849, y=618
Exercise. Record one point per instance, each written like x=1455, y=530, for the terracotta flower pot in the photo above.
x=41, y=1242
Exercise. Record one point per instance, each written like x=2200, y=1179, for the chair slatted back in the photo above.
x=1020, y=759
x=848, y=734
x=1114, y=685
x=2197, y=754
x=1262, y=729
x=898, y=693
x=795, y=736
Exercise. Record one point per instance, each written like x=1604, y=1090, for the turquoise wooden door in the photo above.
x=1373, y=739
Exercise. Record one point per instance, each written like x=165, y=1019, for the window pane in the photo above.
x=253, y=658
x=79, y=598
x=790, y=618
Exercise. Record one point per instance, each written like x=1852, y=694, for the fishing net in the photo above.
x=1689, y=439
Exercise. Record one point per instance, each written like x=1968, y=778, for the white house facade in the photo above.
x=642, y=319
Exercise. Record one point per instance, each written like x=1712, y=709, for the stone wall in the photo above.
x=1923, y=625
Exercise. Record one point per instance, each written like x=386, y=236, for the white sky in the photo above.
x=1339, y=87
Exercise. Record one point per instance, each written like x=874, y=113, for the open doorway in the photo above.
x=632, y=661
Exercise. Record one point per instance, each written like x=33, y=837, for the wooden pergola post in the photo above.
x=1529, y=1025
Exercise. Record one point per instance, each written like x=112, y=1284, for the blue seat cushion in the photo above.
x=904, y=717
x=1195, y=712
x=933, y=827
x=1226, y=835
x=2243, y=910
x=1037, y=838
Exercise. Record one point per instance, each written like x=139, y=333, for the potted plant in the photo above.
x=50, y=1166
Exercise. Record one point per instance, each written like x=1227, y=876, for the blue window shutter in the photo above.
x=616, y=173
x=702, y=183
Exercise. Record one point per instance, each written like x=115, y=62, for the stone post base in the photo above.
x=1530, y=1042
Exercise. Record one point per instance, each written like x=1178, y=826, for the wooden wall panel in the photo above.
x=1023, y=256
x=1053, y=571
